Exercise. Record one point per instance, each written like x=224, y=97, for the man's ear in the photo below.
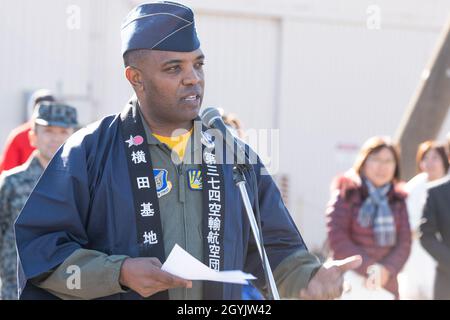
x=32, y=137
x=134, y=77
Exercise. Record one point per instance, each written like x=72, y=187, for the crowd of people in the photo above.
x=394, y=225
x=372, y=213
x=28, y=151
x=26, y=154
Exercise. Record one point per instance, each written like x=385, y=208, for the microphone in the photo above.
x=212, y=118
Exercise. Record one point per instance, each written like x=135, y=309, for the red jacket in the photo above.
x=17, y=149
x=347, y=237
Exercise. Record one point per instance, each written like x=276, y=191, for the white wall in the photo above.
x=241, y=65
x=37, y=50
x=336, y=84
x=353, y=84
x=82, y=65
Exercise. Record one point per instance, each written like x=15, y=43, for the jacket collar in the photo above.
x=194, y=144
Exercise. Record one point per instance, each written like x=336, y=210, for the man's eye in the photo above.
x=173, y=68
x=200, y=65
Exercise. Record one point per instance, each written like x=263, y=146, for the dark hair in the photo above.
x=374, y=145
x=233, y=121
x=132, y=58
x=429, y=145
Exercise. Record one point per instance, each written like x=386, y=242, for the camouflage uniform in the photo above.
x=15, y=187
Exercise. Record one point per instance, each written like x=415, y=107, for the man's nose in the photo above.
x=192, y=77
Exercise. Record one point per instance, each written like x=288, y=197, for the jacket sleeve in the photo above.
x=7, y=248
x=51, y=225
x=5, y=209
x=398, y=256
x=430, y=231
x=295, y=272
x=339, y=221
x=86, y=274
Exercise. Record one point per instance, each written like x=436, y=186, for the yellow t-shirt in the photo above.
x=177, y=144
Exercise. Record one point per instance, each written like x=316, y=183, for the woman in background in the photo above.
x=417, y=278
x=369, y=218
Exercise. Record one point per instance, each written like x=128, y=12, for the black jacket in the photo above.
x=435, y=234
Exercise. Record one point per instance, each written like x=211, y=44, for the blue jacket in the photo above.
x=84, y=200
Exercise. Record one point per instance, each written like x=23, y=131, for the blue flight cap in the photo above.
x=166, y=26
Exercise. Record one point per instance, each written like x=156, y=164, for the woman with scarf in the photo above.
x=369, y=218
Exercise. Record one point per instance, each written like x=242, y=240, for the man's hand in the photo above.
x=328, y=282
x=144, y=275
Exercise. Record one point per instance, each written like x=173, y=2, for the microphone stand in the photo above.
x=240, y=181
x=212, y=118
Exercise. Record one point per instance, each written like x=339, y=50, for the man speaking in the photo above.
x=122, y=192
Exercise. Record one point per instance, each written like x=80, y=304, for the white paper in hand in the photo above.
x=180, y=263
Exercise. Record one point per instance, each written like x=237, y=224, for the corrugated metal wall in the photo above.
x=38, y=50
x=353, y=84
x=43, y=46
x=241, y=65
